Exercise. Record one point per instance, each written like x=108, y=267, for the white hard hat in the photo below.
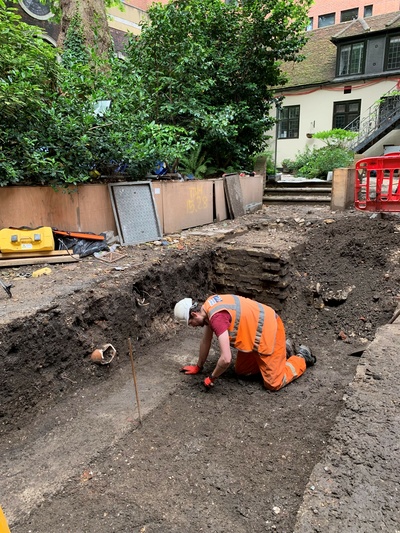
x=182, y=310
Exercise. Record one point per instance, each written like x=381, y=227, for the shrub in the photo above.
x=322, y=160
x=336, y=138
x=317, y=162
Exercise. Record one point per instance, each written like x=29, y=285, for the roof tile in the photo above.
x=319, y=65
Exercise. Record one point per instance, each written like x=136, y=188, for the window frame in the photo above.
x=346, y=113
x=369, y=7
x=288, y=121
x=36, y=9
x=348, y=11
x=387, y=52
x=339, y=59
x=326, y=15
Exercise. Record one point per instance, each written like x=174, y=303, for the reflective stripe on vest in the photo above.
x=263, y=333
x=259, y=330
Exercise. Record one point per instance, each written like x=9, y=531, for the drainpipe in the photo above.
x=278, y=107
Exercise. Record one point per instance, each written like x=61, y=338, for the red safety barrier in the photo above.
x=377, y=186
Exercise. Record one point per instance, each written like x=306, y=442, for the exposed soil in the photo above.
x=237, y=458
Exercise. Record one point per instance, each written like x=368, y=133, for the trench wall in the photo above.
x=46, y=354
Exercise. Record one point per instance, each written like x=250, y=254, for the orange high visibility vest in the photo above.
x=3, y=523
x=253, y=325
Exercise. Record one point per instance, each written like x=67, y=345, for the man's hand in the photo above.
x=191, y=369
x=209, y=382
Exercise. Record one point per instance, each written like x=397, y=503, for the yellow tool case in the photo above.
x=26, y=239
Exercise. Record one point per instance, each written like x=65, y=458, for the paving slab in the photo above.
x=356, y=485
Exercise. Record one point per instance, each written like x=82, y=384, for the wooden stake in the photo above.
x=134, y=380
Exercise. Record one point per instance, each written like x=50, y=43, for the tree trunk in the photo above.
x=94, y=21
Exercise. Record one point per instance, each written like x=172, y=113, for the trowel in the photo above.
x=7, y=288
x=355, y=350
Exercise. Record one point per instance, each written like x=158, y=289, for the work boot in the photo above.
x=290, y=350
x=305, y=353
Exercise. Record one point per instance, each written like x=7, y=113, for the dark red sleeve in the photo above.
x=220, y=322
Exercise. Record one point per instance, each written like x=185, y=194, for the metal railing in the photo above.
x=377, y=118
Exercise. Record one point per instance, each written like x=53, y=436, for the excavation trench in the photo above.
x=74, y=456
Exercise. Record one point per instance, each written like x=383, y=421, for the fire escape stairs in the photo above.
x=380, y=119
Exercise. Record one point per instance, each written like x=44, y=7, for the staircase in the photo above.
x=381, y=118
x=299, y=191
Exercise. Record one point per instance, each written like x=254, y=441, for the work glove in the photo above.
x=209, y=382
x=191, y=369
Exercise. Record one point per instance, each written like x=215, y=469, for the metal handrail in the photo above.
x=376, y=116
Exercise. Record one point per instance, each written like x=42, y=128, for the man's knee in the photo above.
x=273, y=386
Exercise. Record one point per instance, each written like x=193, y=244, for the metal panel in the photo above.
x=135, y=212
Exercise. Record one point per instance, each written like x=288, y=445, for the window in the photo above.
x=37, y=9
x=388, y=107
x=345, y=113
x=367, y=11
x=289, y=121
x=393, y=53
x=351, y=59
x=310, y=24
x=326, y=20
x=348, y=14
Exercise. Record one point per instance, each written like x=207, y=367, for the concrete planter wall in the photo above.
x=81, y=208
x=252, y=190
x=180, y=205
x=185, y=204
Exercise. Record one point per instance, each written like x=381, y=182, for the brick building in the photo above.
x=324, y=13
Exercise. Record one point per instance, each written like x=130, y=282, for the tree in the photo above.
x=49, y=130
x=197, y=83
x=93, y=16
x=94, y=19
x=28, y=81
x=211, y=68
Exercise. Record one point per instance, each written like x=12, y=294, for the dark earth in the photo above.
x=78, y=455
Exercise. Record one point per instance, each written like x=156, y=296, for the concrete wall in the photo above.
x=252, y=190
x=343, y=184
x=220, y=204
x=82, y=208
x=127, y=21
x=184, y=204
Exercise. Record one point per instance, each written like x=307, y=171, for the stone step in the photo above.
x=299, y=184
x=296, y=199
x=300, y=191
x=297, y=190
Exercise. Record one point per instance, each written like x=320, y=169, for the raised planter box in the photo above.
x=81, y=208
x=182, y=205
x=88, y=208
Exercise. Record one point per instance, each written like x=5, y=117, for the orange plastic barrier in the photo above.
x=377, y=185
